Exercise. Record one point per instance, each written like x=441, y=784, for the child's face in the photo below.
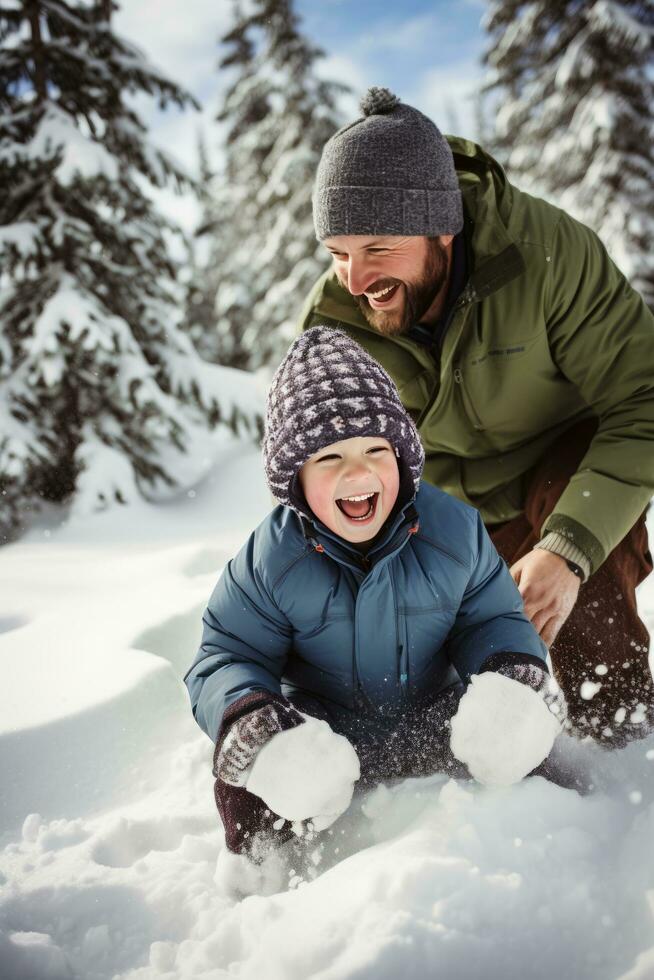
x=357, y=467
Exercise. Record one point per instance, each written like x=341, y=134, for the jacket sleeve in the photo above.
x=601, y=337
x=246, y=640
x=491, y=617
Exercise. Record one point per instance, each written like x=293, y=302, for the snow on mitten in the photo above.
x=306, y=773
x=248, y=735
x=507, y=720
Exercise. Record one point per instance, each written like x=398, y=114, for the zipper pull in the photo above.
x=404, y=676
x=458, y=377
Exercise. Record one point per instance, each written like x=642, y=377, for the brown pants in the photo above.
x=603, y=629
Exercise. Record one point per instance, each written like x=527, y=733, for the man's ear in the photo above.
x=446, y=239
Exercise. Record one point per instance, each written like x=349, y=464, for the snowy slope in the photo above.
x=112, y=862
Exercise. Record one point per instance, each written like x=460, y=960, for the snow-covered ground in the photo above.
x=112, y=863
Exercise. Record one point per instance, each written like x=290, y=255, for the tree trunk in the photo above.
x=34, y=13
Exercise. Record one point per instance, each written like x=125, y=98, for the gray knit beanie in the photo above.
x=389, y=173
x=326, y=389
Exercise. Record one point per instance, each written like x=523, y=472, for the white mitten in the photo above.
x=306, y=773
x=503, y=728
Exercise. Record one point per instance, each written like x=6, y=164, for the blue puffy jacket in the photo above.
x=301, y=611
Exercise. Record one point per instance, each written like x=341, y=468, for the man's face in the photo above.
x=395, y=280
x=352, y=485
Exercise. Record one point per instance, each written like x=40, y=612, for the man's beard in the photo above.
x=418, y=295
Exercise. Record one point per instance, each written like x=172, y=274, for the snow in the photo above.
x=290, y=776
x=80, y=156
x=605, y=15
x=21, y=235
x=112, y=863
x=502, y=730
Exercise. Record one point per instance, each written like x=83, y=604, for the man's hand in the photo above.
x=549, y=591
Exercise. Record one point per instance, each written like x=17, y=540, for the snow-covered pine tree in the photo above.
x=97, y=382
x=575, y=124
x=277, y=113
x=201, y=276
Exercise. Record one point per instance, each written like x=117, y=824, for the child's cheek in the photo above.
x=320, y=499
x=326, y=505
x=392, y=486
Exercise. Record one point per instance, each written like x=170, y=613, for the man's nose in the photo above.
x=360, y=276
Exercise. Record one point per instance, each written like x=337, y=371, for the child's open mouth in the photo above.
x=360, y=507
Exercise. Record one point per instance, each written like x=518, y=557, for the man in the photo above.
x=527, y=362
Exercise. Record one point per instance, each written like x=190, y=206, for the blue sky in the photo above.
x=427, y=51
x=399, y=42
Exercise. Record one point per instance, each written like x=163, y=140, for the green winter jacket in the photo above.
x=546, y=332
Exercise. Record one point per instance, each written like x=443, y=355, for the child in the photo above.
x=340, y=638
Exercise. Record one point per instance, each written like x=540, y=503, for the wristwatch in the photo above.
x=575, y=569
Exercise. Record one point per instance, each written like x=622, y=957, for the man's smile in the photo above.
x=382, y=297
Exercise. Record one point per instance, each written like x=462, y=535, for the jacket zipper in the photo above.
x=469, y=407
x=436, y=350
x=402, y=653
x=404, y=669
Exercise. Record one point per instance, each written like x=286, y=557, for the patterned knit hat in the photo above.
x=388, y=173
x=326, y=389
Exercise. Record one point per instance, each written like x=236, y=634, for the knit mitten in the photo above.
x=534, y=675
x=507, y=721
x=248, y=735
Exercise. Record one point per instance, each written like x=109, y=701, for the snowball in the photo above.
x=502, y=730
x=306, y=773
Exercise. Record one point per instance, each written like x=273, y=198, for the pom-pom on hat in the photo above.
x=326, y=389
x=390, y=172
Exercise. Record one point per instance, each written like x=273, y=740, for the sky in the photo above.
x=428, y=53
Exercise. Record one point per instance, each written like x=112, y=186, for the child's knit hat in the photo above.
x=326, y=389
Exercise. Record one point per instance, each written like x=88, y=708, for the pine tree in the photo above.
x=97, y=382
x=277, y=115
x=575, y=123
x=202, y=276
